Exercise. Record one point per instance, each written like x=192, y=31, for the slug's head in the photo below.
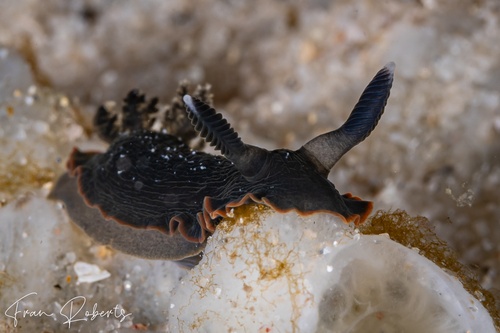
x=296, y=180
x=322, y=152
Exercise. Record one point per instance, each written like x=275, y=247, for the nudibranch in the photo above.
x=151, y=195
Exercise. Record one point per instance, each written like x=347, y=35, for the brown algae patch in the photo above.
x=269, y=252
x=271, y=259
x=16, y=176
x=251, y=213
x=417, y=232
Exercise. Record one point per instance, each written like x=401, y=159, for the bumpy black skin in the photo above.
x=153, y=181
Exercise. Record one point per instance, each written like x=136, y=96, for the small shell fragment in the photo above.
x=88, y=273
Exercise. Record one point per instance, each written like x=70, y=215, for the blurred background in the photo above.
x=283, y=72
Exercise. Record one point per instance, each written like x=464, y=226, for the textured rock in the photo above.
x=265, y=271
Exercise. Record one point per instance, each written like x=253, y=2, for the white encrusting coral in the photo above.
x=269, y=272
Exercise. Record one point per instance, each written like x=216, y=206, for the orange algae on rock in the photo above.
x=243, y=215
x=269, y=267
x=417, y=232
x=272, y=259
x=15, y=176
